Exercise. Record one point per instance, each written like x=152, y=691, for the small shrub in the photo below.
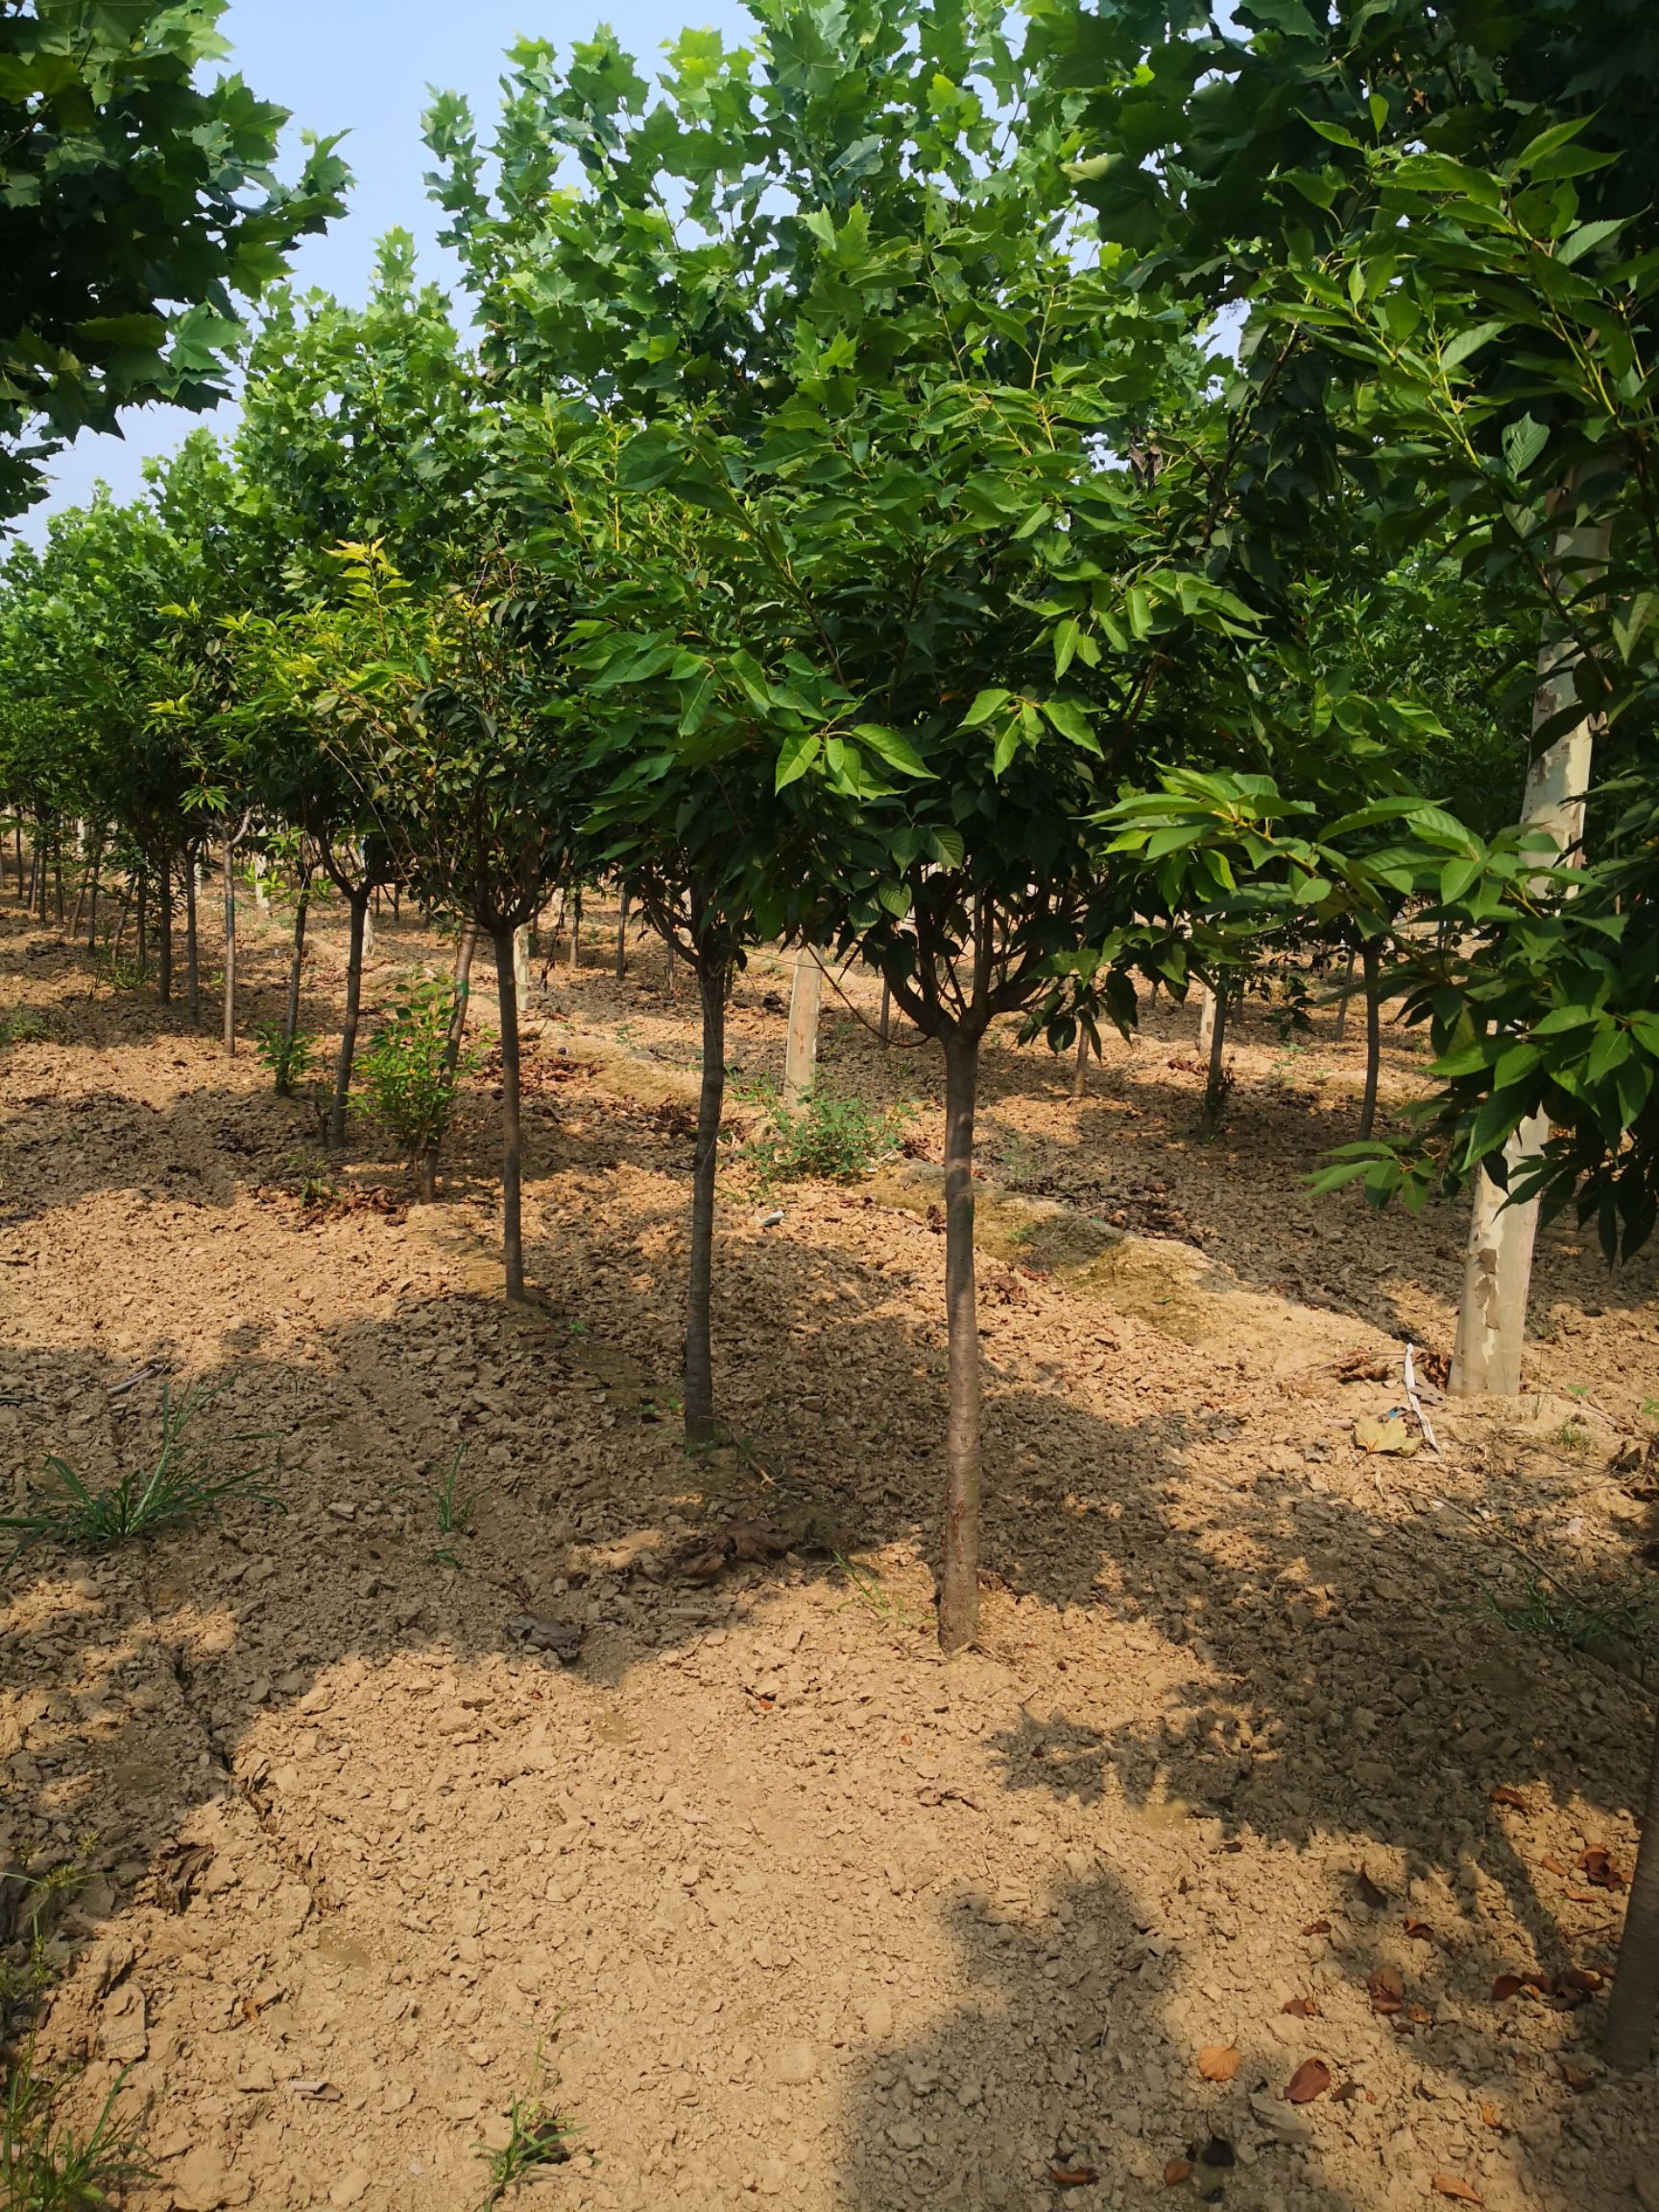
x=170, y=1492
x=313, y=1182
x=23, y=1025
x=407, y=1080
x=830, y=1140
x=287, y=1060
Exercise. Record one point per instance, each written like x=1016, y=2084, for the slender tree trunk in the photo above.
x=93, y=913
x=1627, y=2041
x=521, y=966
x=358, y=903
x=1342, y=1030
x=466, y=945
x=1206, y=1021
x=192, y=944
x=58, y=889
x=230, y=947
x=575, y=930
x=512, y=1135
x=1214, y=1082
x=622, y=941
x=668, y=972
x=1498, y=1259
x=1369, y=954
x=17, y=847
x=88, y=877
x=712, y=1098
x=165, y=932
x=885, y=1031
x=960, y=1584
x=801, y=1050
x=427, y=1161
x=121, y=923
x=143, y=922
x=295, y=972
x=1080, y=1067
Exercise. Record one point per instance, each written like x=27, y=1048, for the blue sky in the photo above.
x=365, y=67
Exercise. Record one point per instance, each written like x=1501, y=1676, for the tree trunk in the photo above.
x=296, y=968
x=959, y=1583
x=165, y=932
x=712, y=1098
x=1627, y=2041
x=575, y=930
x=1342, y=1030
x=58, y=889
x=1206, y=1020
x=885, y=1030
x=622, y=941
x=192, y=945
x=521, y=965
x=466, y=945
x=801, y=1050
x=358, y=901
x=230, y=947
x=17, y=848
x=1498, y=1259
x=511, y=1140
x=1369, y=957
x=1080, y=1067
x=1215, y=1083
x=668, y=970
x=143, y=922
x=92, y=914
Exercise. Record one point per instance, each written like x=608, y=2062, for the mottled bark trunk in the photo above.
x=959, y=1582
x=295, y=970
x=359, y=907
x=1627, y=2042
x=1369, y=961
x=512, y=1135
x=712, y=1098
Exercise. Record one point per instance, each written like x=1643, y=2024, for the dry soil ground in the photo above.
x=772, y=1901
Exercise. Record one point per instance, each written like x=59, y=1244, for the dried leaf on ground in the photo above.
x=1388, y=1989
x=1577, y=2078
x=1501, y=1793
x=1599, y=1869
x=1317, y=1928
x=1448, y=2185
x=1072, y=2176
x=1218, y=2061
x=1389, y=1435
x=1301, y=2009
x=1310, y=2079
x=1490, y=2116
x=1176, y=2171
x=1419, y=1931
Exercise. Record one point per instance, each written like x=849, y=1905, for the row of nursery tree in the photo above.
x=1040, y=507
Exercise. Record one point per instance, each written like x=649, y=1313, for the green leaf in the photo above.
x=797, y=754
x=987, y=705
x=893, y=747
x=1522, y=442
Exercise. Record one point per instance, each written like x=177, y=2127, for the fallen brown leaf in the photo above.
x=1448, y=2185
x=1072, y=2176
x=1218, y=2061
x=1388, y=1989
x=1505, y=1987
x=1347, y=2091
x=1369, y=1894
x=1599, y=1869
x=1317, y=1928
x=1419, y=2015
x=1490, y=2115
x=1575, y=2077
x=1552, y=1865
x=1310, y=2079
x=1502, y=1794
x=1578, y=1982
x=1301, y=2009
x=1177, y=2171
x=1419, y=1931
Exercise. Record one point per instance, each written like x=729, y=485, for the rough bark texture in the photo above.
x=1080, y=1066
x=1628, y=2039
x=622, y=941
x=712, y=1098
x=959, y=1582
x=886, y=1030
x=512, y=1141
x=359, y=904
x=1342, y=1030
x=1369, y=957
